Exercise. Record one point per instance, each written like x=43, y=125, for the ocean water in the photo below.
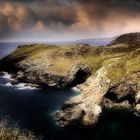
x=6, y=48
x=32, y=109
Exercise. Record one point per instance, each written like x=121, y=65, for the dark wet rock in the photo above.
x=121, y=92
x=125, y=95
x=70, y=117
x=127, y=89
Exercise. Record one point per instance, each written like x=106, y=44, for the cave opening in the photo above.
x=80, y=77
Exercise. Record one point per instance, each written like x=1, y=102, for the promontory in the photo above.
x=107, y=77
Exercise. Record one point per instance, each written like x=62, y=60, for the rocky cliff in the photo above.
x=107, y=77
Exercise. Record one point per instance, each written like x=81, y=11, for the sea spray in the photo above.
x=20, y=86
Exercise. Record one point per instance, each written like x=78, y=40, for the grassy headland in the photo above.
x=123, y=58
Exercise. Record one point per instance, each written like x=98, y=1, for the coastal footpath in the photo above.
x=107, y=77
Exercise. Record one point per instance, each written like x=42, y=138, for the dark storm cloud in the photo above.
x=130, y=3
x=70, y=16
x=65, y=11
x=15, y=18
x=50, y=11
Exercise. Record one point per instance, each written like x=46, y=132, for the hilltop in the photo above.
x=100, y=73
x=130, y=38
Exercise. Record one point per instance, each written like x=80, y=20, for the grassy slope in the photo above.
x=122, y=59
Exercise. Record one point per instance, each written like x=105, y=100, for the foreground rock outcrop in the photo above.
x=85, y=108
x=106, y=77
x=125, y=94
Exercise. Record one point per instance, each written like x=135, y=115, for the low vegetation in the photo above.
x=14, y=133
x=123, y=59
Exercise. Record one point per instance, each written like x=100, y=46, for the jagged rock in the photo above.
x=108, y=104
x=127, y=89
x=121, y=92
x=70, y=116
x=125, y=95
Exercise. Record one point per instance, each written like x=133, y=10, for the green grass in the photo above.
x=125, y=66
x=123, y=59
x=31, y=50
x=60, y=66
x=133, y=63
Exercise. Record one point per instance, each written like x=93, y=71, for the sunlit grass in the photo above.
x=124, y=66
x=123, y=59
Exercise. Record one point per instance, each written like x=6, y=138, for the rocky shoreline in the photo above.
x=84, y=110
x=95, y=81
x=77, y=75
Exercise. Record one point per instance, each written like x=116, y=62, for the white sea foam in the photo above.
x=8, y=84
x=23, y=86
x=6, y=75
x=19, y=86
x=75, y=89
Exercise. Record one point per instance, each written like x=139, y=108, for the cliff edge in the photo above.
x=107, y=77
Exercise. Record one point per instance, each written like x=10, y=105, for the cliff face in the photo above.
x=107, y=77
x=46, y=65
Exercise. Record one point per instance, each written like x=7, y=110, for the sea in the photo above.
x=33, y=109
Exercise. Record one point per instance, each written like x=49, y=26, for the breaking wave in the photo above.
x=20, y=86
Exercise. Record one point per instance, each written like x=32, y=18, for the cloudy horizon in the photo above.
x=59, y=20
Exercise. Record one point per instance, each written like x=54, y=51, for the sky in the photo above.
x=64, y=20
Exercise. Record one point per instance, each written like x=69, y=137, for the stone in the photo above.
x=121, y=92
